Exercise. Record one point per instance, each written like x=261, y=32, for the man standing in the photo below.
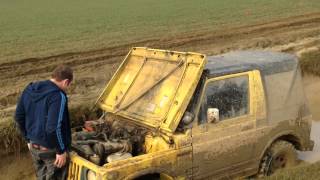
x=43, y=119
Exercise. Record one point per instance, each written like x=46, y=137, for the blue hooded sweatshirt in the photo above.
x=42, y=116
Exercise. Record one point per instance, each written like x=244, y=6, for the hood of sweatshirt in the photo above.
x=39, y=90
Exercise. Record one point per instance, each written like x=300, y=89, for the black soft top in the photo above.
x=267, y=62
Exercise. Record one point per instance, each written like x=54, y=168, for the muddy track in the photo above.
x=185, y=40
x=93, y=64
x=283, y=24
x=279, y=26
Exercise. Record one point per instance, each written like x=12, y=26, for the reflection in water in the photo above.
x=313, y=156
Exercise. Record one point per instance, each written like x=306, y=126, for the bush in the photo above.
x=310, y=63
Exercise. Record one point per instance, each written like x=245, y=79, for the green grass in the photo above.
x=305, y=171
x=30, y=28
x=310, y=63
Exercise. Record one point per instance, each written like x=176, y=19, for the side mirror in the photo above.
x=187, y=118
x=213, y=115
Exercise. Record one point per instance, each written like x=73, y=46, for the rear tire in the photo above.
x=280, y=155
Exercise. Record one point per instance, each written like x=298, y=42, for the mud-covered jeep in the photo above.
x=177, y=115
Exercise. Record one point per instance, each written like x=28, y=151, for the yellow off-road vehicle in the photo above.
x=182, y=115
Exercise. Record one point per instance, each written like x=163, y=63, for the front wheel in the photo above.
x=149, y=177
x=281, y=154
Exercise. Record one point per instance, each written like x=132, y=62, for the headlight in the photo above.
x=91, y=175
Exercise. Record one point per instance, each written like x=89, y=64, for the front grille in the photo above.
x=74, y=172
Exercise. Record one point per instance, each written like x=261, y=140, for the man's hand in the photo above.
x=60, y=160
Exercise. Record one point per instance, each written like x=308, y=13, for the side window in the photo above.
x=230, y=96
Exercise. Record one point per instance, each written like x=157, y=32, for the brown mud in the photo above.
x=17, y=167
x=300, y=35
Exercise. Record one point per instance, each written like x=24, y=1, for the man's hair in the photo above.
x=62, y=72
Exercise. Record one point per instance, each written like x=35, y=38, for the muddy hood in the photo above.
x=153, y=87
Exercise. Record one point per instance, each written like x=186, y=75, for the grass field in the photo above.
x=42, y=28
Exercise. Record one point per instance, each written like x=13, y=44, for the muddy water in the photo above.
x=313, y=156
x=312, y=89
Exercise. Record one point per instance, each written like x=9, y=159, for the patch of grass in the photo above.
x=10, y=139
x=305, y=171
x=81, y=113
x=310, y=63
x=42, y=28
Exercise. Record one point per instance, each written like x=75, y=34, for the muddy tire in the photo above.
x=281, y=154
x=149, y=177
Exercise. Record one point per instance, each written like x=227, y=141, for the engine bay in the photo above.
x=106, y=140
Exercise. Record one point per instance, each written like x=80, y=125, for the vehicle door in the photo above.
x=226, y=145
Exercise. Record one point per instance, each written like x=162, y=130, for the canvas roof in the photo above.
x=267, y=62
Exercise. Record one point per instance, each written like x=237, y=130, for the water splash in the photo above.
x=313, y=156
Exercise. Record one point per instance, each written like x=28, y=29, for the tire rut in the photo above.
x=210, y=42
x=283, y=24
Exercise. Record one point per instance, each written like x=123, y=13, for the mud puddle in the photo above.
x=17, y=167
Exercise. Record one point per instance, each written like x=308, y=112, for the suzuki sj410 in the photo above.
x=182, y=115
